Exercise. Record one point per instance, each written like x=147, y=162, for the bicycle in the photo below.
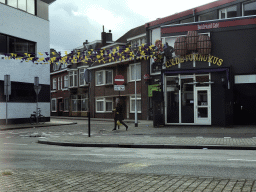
x=41, y=118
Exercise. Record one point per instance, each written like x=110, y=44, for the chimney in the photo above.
x=109, y=36
x=103, y=37
x=84, y=43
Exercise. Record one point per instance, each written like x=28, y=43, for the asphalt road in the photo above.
x=17, y=150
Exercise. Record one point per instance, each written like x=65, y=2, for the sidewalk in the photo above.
x=146, y=136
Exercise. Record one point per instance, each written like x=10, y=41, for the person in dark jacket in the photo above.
x=119, y=114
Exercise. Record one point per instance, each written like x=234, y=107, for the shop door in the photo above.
x=202, y=106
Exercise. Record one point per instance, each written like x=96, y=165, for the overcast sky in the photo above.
x=74, y=21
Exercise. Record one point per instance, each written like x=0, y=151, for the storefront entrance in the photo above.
x=188, y=99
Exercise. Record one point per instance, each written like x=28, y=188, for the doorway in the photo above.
x=188, y=99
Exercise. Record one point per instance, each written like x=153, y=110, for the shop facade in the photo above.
x=208, y=74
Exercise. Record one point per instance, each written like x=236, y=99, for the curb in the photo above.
x=42, y=125
x=147, y=146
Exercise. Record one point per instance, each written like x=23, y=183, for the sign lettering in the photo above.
x=194, y=57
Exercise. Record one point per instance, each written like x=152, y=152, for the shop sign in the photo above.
x=194, y=57
x=152, y=88
x=208, y=26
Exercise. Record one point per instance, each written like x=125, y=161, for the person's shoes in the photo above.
x=126, y=128
x=114, y=130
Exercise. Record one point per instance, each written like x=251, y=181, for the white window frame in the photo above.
x=66, y=82
x=104, y=100
x=104, y=80
x=54, y=83
x=225, y=10
x=81, y=72
x=54, y=99
x=74, y=75
x=130, y=72
x=132, y=98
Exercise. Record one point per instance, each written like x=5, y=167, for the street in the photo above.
x=19, y=152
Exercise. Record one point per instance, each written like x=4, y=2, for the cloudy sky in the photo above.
x=74, y=21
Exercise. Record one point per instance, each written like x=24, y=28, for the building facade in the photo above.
x=24, y=29
x=207, y=73
x=103, y=92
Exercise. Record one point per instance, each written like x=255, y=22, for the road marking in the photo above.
x=254, y=137
x=227, y=137
x=14, y=144
x=240, y=160
x=199, y=137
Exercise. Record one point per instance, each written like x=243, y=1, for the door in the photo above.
x=202, y=105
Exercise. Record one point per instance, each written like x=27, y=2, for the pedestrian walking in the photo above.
x=119, y=114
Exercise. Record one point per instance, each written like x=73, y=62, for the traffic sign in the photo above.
x=119, y=79
x=119, y=88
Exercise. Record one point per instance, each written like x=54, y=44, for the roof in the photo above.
x=167, y=19
x=131, y=33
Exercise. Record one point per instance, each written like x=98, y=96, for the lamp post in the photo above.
x=136, y=112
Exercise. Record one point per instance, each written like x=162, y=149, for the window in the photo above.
x=79, y=102
x=21, y=46
x=206, y=16
x=59, y=83
x=25, y=5
x=73, y=78
x=228, y=12
x=74, y=102
x=81, y=77
x=249, y=8
x=104, y=77
x=189, y=20
x=135, y=72
x=54, y=83
x=3, y=43
x=66, y=81
x=104, y=105
x=132, y=104
x=53, y=105
x=66, y=104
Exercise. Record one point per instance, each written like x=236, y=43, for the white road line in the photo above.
x=239, y=160
x=14, y=144
x=199, y=137
x=227, y=137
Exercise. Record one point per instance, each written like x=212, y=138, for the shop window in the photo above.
x=104, y=105
x=25, y=5
x=54, y=105
x=73, y=78
x=206, y=16
x=66, y=104
x=135, y=72
x=66, y=81
x=54, y=83
x=249, y=8
x=132, y=104
x=228, y=12
x=104, y=77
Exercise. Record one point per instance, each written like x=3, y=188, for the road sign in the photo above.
x=37, y=89
x=119, y=79
x=7, y=85
x=119, y=87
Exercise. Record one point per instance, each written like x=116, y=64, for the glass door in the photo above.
x=202, y=105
